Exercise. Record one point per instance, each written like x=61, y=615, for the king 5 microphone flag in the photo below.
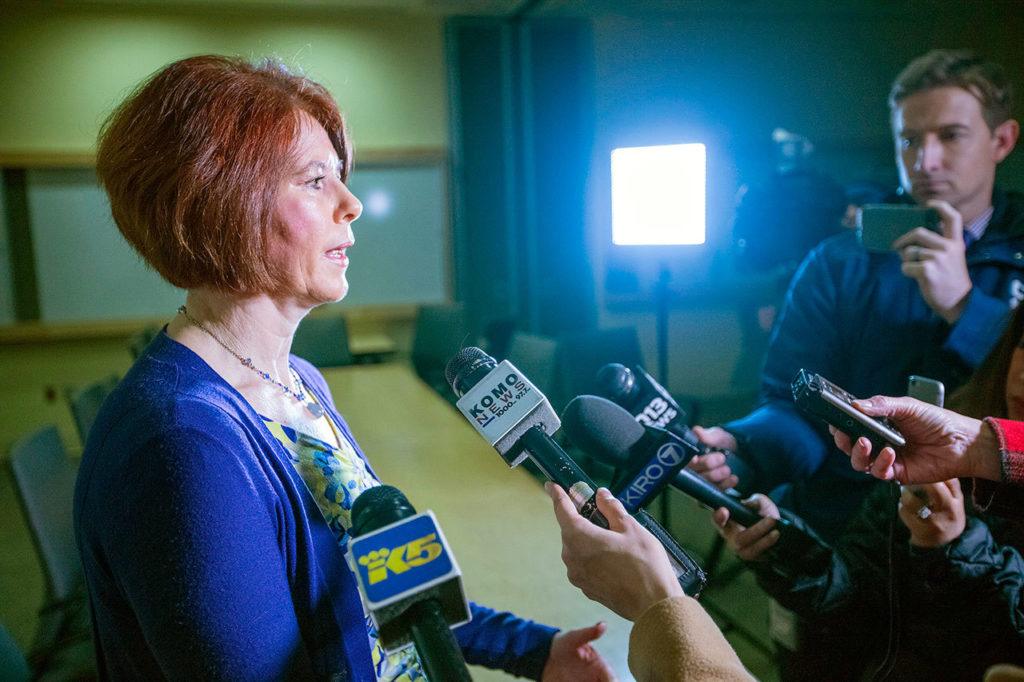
x=400, y=561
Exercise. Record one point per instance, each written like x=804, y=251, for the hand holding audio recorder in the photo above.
x=818, y=397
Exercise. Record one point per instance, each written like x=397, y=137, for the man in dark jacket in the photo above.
x=933, y=306
x=914, y=594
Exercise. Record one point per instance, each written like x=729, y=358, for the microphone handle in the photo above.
x=796, y=549
x=561, y=469
x=696, y=487
x=689, y=573
x=438, y=651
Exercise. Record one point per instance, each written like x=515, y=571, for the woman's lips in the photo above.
x=338, y=255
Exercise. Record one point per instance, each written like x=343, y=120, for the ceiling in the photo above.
x=546, y=8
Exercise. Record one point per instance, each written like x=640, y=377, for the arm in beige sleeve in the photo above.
x=675, y=639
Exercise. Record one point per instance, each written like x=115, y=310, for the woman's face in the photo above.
x=314, y=216
x=1015, y=386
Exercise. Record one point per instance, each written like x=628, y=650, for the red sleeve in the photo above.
x=1011, y=448
x=1005, y=498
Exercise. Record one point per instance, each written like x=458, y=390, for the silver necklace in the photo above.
x=300, y=395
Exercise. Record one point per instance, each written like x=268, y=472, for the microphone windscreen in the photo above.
x=601, y=428
x=617, y=383
x=377, y=507
x=462, y=363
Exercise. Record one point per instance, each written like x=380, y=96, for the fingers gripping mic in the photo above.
x=611, y=435
x=652, y=405
x=409, y=580
x=515, y=417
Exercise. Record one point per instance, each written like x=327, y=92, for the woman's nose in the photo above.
x=349, y=207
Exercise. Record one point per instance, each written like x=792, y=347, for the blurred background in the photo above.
x=483, y=132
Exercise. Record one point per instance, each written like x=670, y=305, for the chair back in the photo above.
x=141, y=339
x=85, y=403
x=44, y=478
x=13, y=666
x=534, y=356
x=581, y=355
x=440, y=332
x=323, y=341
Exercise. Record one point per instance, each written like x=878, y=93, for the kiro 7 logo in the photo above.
x=669, y=456
x=657, y=413
x=502, y=396
x=379, y=563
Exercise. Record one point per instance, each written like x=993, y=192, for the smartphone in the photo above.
x=880, y=225
x=926, y=390
x=820, y=398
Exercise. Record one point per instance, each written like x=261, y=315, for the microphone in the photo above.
x=409, y=580
x=651, y=405
x=649, y=463
x=515, y=417
x=610, y=434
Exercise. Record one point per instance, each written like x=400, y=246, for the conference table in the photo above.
x=498, y=521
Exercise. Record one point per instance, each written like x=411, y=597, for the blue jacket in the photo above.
x=853, y=317
x=206, y=557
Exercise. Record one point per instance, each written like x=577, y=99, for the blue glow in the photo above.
x=658, y=194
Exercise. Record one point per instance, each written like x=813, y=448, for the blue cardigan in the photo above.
x=205, y=555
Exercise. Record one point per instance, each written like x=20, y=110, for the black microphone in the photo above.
x=515, y=417
x=651, y=463
x=610, y=434
x=651, y=405
x=409, y=580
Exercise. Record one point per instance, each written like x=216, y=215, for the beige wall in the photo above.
x=64, y=68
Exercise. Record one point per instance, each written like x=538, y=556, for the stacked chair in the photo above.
x=440, y=332
x=85, y=403
x=44, y=478
x=323, y=341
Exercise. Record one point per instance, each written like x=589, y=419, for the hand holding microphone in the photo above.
x=624, y=567
x=750, y=541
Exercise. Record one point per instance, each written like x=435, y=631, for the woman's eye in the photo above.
x=317, y=182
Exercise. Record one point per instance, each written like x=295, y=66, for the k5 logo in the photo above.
x=400, y=559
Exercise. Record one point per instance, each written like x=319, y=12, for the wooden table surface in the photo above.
x=498, y=521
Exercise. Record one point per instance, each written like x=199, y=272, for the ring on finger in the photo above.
x=913, y=253
x=924, y=512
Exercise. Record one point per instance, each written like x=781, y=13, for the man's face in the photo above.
x=944, y=148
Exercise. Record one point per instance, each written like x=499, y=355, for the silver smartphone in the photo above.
x=926, y=390
x=879, y=225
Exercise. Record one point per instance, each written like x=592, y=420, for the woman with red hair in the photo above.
x=215, y=491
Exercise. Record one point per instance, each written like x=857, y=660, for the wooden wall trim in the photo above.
x=359, y=318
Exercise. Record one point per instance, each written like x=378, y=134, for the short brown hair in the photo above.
x=192, y=159
x=962, y=69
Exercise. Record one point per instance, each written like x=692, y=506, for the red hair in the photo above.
x=192, y=161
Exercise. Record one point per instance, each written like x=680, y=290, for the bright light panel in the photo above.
x=658, y=194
